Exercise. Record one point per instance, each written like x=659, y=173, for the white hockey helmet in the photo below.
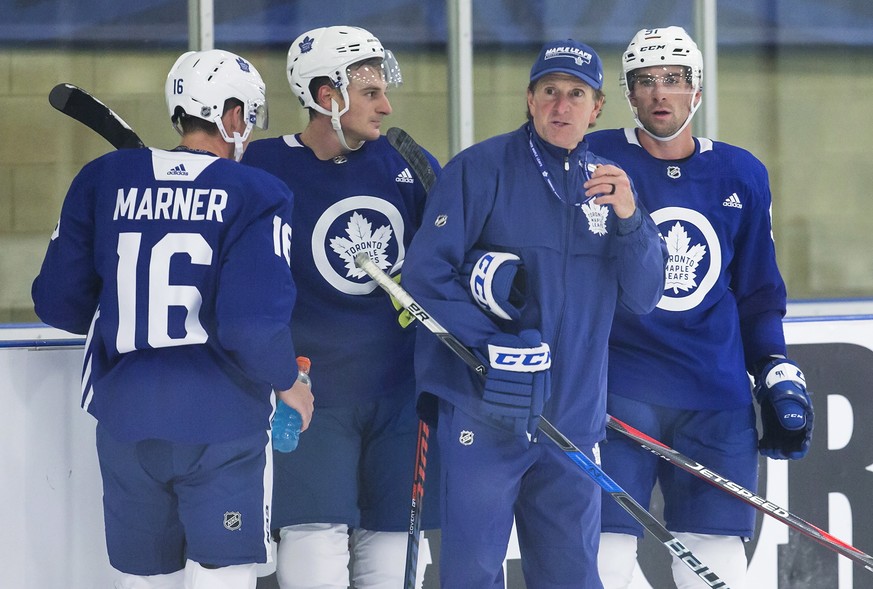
x=200, y=82
x=662, y=47
x=329, y=52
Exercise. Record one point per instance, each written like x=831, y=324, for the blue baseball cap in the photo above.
x=569, y=57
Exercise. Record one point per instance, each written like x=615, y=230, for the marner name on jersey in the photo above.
x=185, y=204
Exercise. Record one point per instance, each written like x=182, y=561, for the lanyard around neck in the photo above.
x=547, y=176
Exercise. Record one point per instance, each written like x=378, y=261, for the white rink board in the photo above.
x=51, y=489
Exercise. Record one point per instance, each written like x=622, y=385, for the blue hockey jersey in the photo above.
x=581, y=263
x=724, y=299
x=366, y=200
x=176, y=264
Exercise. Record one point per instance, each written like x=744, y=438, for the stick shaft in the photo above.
x=418, y=478
x=760, y=503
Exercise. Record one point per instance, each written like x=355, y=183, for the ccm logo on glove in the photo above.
x=520, y=359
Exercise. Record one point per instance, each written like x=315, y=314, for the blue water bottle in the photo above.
x=287, y=421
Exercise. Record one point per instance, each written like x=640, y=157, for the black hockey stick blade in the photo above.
x=78, y=104
x=413, y=154
x=760, y=503
x=648, y=521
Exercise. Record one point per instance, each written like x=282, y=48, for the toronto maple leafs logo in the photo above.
x=243, y=64
x=360, y=237
x=596, y=215
x=684, y=260
x=695, y=259
x=306, y=44
x=353, y=225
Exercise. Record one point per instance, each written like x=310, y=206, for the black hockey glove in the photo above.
x=518, y=380
x=786, y=410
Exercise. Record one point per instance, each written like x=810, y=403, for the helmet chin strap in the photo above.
x=337, y=127
x=237, y=139
x=237, y=146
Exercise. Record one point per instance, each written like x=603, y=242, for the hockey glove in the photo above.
x=405, y=317
x=786, y=410
x=497, y=282
x=517, y=384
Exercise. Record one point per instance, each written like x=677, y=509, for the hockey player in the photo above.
x=175, y=263
x=679, y=373
x=538, y=199
x=348, y=483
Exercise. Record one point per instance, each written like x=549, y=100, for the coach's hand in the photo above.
x=610, y=185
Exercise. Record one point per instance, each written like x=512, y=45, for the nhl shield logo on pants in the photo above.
x=232, y=520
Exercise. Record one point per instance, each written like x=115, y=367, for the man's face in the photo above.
x=562, y=107
x=369, y=105
x=662, y=96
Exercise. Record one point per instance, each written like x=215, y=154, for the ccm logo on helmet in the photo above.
x=653, y=48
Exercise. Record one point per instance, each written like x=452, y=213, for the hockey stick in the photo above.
x=590, y=467
x=759, y=503
x=78, y=104
x=412, y=541
x=412, y=153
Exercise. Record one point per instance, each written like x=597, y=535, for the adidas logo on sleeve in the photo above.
x=405, y=176
x=733, y=201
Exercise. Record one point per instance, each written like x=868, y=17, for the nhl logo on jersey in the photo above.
x=232, y=520
x=673, y=172
x=466, y=438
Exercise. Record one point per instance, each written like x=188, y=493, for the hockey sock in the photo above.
x=723, y=554
x=170, y=581
x=314, y=556
x=617, y=560
x=239, y=576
